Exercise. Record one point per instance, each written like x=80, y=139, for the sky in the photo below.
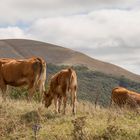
x=108, y=30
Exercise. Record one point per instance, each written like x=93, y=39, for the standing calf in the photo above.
x=62, y=84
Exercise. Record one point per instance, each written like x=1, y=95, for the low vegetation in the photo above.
x=94, y=120
x=29, y=121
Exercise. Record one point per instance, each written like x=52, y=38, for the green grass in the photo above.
x=18, y=117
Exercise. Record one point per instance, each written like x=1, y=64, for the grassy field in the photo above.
x=18, y=118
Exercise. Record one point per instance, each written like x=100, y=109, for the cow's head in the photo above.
x=47, y=99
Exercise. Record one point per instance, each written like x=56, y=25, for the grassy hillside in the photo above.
x=18, y=118
x=22, y=48
x=92, y=85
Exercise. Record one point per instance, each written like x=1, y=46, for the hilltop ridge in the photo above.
x=20, y=48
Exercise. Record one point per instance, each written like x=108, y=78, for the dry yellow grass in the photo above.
x=18, y=117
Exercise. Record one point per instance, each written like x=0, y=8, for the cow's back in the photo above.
x=64, y=80
x=18, y=72
x=122, y=96
x=119, y=96
x=134, y=96
x=59, y=82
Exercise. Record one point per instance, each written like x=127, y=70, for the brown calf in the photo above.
x=121, y=96
x=62, y=84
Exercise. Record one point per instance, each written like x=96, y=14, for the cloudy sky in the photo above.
x=108, y=30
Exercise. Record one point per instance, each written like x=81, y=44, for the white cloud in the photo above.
x=99, y=28
x=13, y=11
x=107, y=30
x=103, y=34
x=12, y=32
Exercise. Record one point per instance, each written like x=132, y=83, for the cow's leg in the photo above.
x=4, y=93
x=73, y=98
x=56, y=103
x=30, y=94
x=3, y=89
x=59, y=104
x=64, y=102
x=31, y=89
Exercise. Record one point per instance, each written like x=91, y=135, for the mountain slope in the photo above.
x=20, y=48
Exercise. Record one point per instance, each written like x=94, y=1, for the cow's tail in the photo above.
x=70, y=77
x=41, y=76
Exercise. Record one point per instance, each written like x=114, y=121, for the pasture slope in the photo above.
x=95, y=82
x=95, y=78
x=93, y=85
x=18, y=118
x=21, y=48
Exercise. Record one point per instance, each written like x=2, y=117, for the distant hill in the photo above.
x=95, y=78
x=20, y=48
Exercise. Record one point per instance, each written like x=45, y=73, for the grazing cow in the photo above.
x=62, y=84
x=121, y=96
x=20, y=72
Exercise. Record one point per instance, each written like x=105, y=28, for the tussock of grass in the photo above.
x=18, y=117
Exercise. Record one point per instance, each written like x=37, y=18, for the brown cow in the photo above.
x=121, y=96
x=20, y=72
x=62, y=84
